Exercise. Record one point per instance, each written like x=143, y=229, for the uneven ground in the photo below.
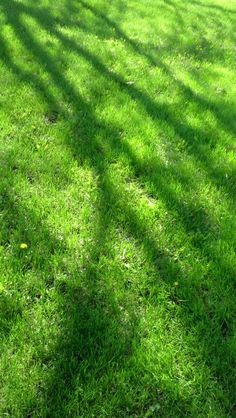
x=118, y=216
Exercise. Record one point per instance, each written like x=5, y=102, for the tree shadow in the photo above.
x=93, y=324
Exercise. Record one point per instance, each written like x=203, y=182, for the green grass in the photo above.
x=118, y=171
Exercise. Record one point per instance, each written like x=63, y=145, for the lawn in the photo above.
x=117, y=208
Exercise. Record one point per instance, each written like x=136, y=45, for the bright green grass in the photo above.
x=118, y=170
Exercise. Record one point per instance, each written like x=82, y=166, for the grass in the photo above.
x=117, y=205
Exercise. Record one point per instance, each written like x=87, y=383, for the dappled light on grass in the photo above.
x=117, y=208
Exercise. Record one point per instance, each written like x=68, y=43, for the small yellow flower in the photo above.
x=23, y=246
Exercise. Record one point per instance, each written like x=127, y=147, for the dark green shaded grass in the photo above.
x=118, y=173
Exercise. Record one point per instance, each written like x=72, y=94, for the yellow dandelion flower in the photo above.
x=23, y=246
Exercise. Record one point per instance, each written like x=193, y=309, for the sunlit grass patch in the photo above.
x=117, y=208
